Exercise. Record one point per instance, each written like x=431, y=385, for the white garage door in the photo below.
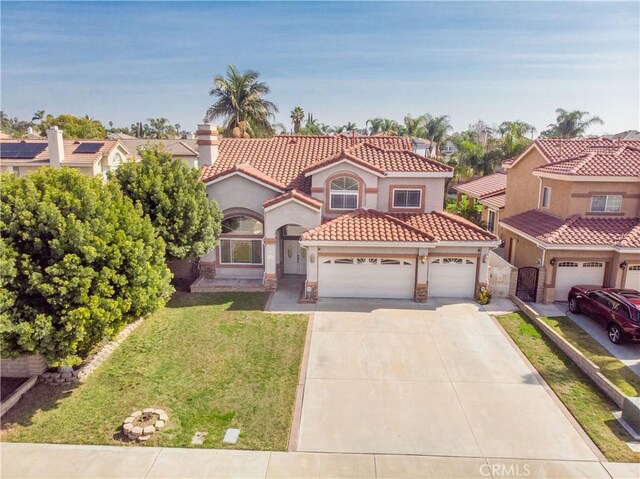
x=633, y=278
x=571, y=273
x=362, y=277
x=452, y=277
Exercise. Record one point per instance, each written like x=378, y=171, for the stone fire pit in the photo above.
x=140, y=425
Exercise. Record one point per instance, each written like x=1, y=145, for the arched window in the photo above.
x=343, y=193
x=241, y=240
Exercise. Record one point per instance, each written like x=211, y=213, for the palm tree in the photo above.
x=414, y=127
x=297, y=115
x=374, y=126
x=350, y=126
x=38, y=115
x=436, y=130
x=514, y=140
x=177, y=126
x=241, y=104
x=571, y=124
x=158, y=127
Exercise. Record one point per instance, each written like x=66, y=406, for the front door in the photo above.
x=295, y=258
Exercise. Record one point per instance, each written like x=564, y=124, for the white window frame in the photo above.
x=355, y=193
x=609, y=203
x=251, y=240
x=393, y=198
x=545, y=196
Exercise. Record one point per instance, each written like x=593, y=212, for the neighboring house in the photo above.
x=355, y=216
x=490, y=192
x=91, y=157
x=185, y=150
x=572, y=209
x=449, y=148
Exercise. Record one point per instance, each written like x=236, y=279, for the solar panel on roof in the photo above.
x=22, y=150
x=88, y=148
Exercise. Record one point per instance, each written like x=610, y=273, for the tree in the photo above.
x=467, y=209
x=74, y=126
x=241, y=104
x=78, y=262
x=414, y=127
x=159, y=127
x=437, y=129
x=513, y=140
x=38, y=115
x=174, y=198
x=297, y=115
x=473, y=153
x=350, y=126
x=571, y=124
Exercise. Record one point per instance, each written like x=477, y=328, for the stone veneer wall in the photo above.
x=23, y=367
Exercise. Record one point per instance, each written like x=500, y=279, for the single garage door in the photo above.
x=363, y=277
x=452, y=277
x=571, y=273
x=633, y=278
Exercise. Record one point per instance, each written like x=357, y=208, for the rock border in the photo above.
x=56, y=378
x=137, y=433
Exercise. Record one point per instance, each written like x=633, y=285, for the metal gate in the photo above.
x=527, y=285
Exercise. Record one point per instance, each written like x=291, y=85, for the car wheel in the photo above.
x=615, y=335
x=573, y=305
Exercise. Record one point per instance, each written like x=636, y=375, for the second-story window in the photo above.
x=344, y=194
x=407, y=198
x=606, y=203
x=546, y=197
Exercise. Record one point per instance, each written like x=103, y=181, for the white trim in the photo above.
x=419, y=174
x=339, y=162
x=546, y=246
x=595, y=179
x=295, y=200
x=393, y=198
x=606, y=203
x=243, y=175
x=475, y=244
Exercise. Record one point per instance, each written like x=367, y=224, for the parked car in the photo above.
x=618, y=310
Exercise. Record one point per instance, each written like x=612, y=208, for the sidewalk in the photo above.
x=70, y=462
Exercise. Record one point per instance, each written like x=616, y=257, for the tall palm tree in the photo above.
x=571, y=124
x=350, y=126
x=414, y=127
x=436, y=130
x=38, y=116
x=513, y=140
x=374, y=126
x=297, y=115
x=177, y=126
x=158, y=127
x=241, y=104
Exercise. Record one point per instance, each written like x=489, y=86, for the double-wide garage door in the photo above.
x=571, y=273
x=366, y=277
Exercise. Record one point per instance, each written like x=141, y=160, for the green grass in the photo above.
x=591, y=408
x=611, y=367
x=211, y=361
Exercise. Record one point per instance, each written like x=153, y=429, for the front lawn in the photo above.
x=591, y=408
x=211, y=361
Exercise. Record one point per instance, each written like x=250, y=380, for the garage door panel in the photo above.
x=452, y=277
x=365, y=277
x=571, y=273
x=632, y=281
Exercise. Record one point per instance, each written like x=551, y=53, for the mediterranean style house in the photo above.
x=91, y=157
x=572, y=210
x=353, y=216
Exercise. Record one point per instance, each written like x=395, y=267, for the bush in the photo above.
x=78, y=262
x=483, y=296
x=172, y=195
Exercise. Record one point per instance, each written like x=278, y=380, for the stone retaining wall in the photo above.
x=585, y=364
x=91, y=363
x=23, y=367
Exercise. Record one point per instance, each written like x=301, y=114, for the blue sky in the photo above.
x=129, y=61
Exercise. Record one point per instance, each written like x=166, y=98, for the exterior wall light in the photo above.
x=624, y=264
x=552, y=262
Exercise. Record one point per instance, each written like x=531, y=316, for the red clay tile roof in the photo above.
x=70, y=158
x=622, y=161
x=248, y=170
x=445, y=226
x=296, y=195
x=383, y=160
x=495, y=201
x=284, y=158
x=577, y=230
x=372, y=225
x=485, y=186
x=560, y=149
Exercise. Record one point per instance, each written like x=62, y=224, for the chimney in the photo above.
x=207, y=141
x=56, y=147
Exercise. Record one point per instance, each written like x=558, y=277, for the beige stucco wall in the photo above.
x=319, y=179
x=290, y=213
x=239, y=192
x=434, y=192
x=573, y=197
x=522, y=186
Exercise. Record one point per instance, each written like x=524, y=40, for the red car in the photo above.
x=618, y=310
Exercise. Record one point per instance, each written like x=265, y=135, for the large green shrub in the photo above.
x=172, y=195
x=78, y=262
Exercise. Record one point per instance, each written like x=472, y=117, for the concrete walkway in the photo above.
x=285, y=298
x=70, y=462
x=628, y=353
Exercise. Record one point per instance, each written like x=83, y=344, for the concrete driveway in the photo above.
x=436, y=379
